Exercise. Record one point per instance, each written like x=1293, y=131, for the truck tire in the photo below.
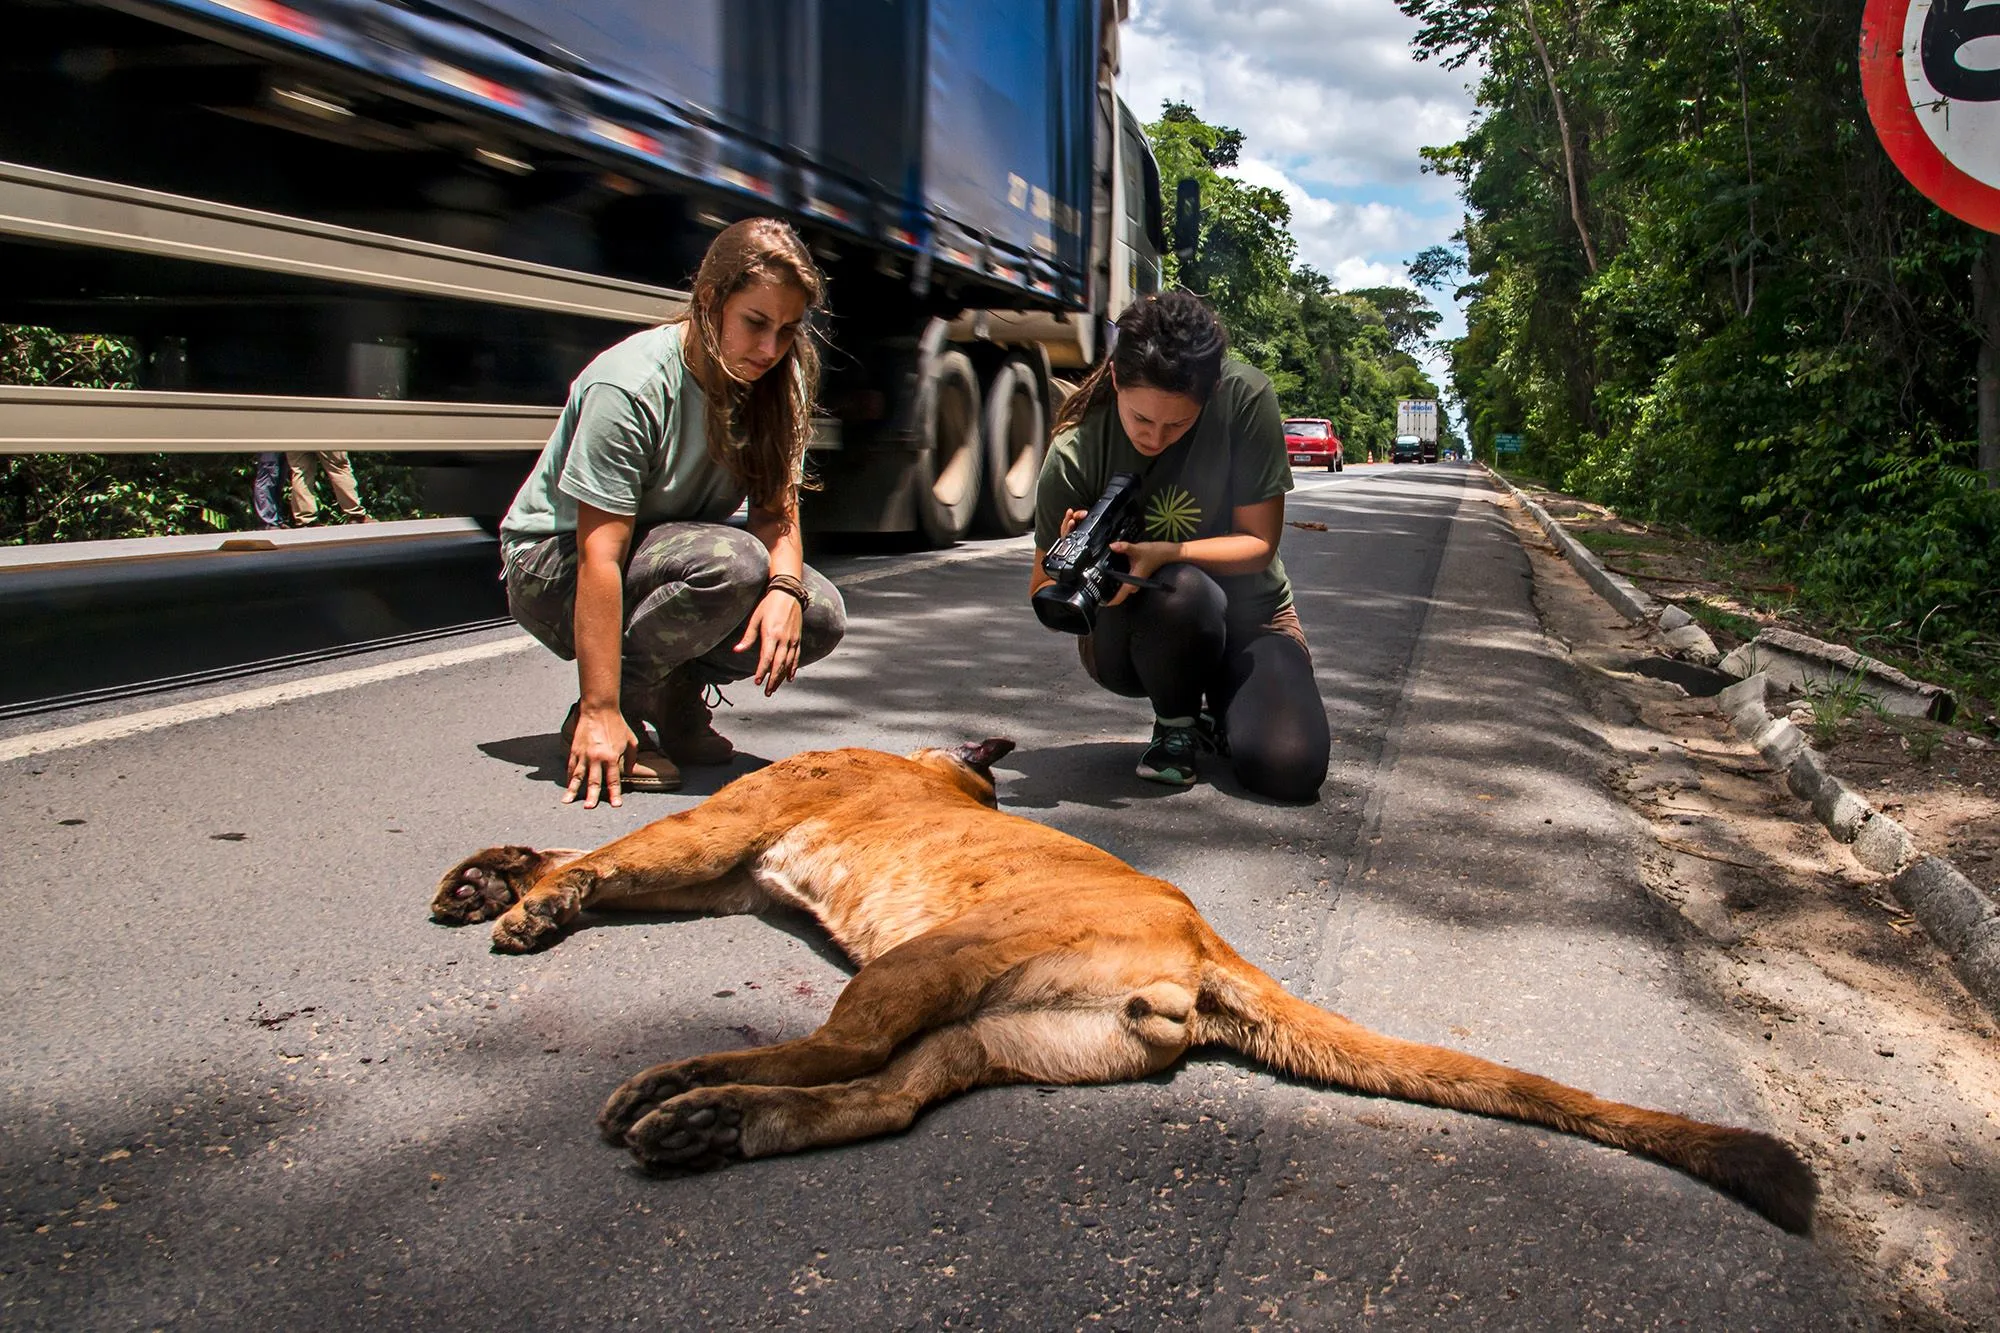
x=1015, y=437
x=950, y=465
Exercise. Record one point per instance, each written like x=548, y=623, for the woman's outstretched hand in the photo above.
x=598, y=754
x=775, y=627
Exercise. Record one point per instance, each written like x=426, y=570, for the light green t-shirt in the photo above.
x=1233, y=455
x=632, y=439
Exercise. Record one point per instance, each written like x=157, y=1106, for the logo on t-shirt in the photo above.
x=1172, y=515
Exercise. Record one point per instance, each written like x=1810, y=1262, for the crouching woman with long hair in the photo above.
x=1218, y=648
x=617, y=551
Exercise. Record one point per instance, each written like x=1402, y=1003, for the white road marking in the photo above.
x=221, y=705
x=266, y=696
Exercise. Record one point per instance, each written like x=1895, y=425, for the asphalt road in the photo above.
x=247, y=1083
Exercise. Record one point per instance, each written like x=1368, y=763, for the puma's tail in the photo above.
x=1242, y=1008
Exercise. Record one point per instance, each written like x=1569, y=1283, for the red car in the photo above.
x=1310, y=441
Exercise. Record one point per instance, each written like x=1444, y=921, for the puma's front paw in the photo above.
x=697, y=1131
x=527, y=926
x=487, y=883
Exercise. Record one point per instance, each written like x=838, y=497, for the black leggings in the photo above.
x=1173, y=646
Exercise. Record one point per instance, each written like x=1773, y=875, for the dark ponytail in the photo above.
x=1172, y=342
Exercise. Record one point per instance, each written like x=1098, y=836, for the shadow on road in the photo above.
x=545, y=759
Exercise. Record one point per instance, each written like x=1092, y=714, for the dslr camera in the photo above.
x=1086, y=570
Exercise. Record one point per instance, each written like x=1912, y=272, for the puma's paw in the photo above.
x=638, y=1096
x=487, y=883
x=697, y=1131
x=527, y=926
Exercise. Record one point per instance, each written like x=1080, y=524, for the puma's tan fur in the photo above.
x=992, y=949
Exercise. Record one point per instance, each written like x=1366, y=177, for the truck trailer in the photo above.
x=404, y=225
x=1417, y=420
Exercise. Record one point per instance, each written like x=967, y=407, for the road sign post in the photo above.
x=1939, y=118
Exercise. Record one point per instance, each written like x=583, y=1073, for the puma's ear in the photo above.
x=981, y=756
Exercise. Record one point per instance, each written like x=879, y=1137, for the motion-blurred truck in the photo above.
x=405, y=225
x=1417, y=418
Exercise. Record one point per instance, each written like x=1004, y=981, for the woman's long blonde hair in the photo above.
x=757, y=429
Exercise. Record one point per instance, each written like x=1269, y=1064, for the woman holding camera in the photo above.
x=1205, y=436
x=617, y=551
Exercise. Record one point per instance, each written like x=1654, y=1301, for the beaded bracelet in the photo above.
x=793, y=587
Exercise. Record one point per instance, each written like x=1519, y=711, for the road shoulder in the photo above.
x=1494, y=906
x=1868, y=1051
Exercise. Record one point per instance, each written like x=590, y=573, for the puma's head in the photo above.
x=970, y=765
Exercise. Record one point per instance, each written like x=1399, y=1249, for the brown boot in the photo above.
x=685, y=723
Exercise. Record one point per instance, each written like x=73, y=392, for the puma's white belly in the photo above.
x=807, y=869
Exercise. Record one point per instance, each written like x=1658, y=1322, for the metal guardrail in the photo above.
x=53, y=208
x=129, y=421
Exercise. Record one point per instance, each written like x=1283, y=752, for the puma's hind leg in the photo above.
x=705, y=1128
x=928, y=982
x=1103, y=1041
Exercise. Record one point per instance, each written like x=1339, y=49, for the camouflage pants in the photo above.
x=689, y=592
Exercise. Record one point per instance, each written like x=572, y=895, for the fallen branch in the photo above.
x=1789, y=588
x=1696, y=852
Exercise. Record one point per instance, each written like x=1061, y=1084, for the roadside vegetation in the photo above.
x=90, y=497
x=1346, y=356
x=1704, y=296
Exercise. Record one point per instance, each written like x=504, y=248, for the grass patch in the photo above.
x=1605, y=542
x=1713, y=618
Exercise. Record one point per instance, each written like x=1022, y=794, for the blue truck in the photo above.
x=404, y=225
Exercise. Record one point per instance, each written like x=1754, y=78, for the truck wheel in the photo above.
x=948, y=469
x=1014, y=442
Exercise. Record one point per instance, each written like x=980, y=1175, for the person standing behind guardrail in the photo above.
x=264, y=487
x=616, y=549
x=339, y=478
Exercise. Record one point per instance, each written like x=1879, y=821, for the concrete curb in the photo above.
x=1959, y=916
x=1627, y=600
x=1962, y=918
x=1678, y=629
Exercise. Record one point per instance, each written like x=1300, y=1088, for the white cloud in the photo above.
x=1329, y=87
x=1347, y=241
x=1333, y=106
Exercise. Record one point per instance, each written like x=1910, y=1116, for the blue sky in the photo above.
x=1333, y=108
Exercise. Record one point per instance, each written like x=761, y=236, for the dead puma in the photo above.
x=992, y=949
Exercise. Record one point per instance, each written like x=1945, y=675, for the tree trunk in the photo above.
x=1986, y=305
x=1576, y=210
x=1749, y=154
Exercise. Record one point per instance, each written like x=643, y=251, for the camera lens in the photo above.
x=1072, y=612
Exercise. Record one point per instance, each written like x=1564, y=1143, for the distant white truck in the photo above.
x=1417, y=422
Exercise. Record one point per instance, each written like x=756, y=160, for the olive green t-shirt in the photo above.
x=632, y=439
x=1233, y=455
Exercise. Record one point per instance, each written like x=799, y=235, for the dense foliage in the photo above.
x=1703, y=293
x=84, y=497
x=1345, y=356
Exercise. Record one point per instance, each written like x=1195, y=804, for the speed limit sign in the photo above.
x=1931, y=69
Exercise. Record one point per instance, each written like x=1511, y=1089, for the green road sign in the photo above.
x=1506, y=444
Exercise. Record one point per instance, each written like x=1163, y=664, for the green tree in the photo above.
x=1699, y=289
x=1344, y=356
